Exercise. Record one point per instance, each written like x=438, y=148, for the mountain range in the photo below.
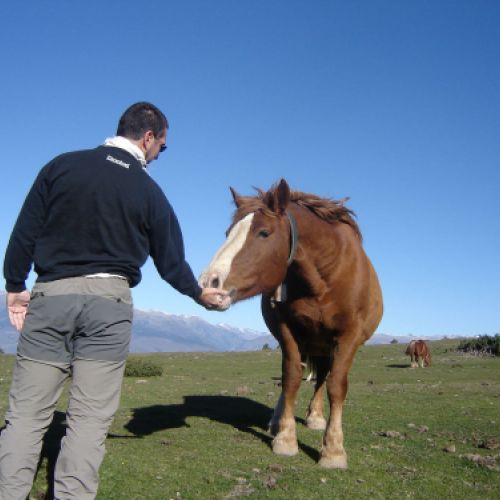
x=155, y=331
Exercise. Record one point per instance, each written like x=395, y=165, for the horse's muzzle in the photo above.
x=228, y=300
x=210, y=279
x=214, y=280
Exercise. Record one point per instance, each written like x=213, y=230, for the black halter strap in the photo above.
x=280, y=294
x=294, y=237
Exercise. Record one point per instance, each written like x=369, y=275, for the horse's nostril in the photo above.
x=215, y=282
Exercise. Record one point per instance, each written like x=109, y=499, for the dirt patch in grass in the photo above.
x=487, y=461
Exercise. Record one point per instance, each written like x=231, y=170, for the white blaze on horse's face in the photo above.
x=218, y=270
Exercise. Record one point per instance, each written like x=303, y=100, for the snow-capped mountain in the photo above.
x=155, y=331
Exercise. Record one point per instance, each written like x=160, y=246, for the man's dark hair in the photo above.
x=139, y=118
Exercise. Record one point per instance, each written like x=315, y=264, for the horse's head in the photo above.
x=254, y=257
x=427, y=359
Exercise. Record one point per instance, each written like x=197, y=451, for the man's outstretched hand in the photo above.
x=17, y=306
x=215, y=299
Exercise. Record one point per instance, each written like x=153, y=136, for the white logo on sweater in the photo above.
x=117, y=161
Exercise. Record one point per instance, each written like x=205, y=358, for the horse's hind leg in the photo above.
x=314, y=416
x=333, y=455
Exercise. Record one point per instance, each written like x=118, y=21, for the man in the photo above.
x=88, y=224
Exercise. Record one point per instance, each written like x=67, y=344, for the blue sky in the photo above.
x=394, y=104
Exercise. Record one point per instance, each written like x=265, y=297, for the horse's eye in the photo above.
x=263, y=233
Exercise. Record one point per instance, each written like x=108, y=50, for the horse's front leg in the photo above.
x=285, y=441
x=273, y=426
x=314, y=416
x=333, y=455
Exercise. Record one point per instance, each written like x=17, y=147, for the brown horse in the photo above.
x=419, y=353
x=321, y=298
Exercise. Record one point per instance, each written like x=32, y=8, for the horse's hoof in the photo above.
x=316, y=423
x=334, y=462
x=280, y=447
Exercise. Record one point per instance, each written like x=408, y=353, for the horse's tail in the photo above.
x=317, y=367
x=309, y=366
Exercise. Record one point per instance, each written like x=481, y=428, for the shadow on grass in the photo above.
x=238, y=412
x=398, y=366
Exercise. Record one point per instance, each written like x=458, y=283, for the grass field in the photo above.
x=199, y=430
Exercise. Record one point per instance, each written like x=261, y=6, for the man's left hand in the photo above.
x=17, y=306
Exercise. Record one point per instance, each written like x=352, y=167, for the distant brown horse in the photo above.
x=419, y=353
x=321, y=298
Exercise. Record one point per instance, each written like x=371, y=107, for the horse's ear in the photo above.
x=277, y=199
x=236, y=197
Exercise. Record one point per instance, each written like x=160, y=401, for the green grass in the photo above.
x=199, y=430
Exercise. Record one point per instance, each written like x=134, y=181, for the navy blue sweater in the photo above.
x=96, y=211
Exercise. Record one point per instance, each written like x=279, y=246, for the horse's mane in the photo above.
x=326, y=209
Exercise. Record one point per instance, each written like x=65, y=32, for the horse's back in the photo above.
x=340, y=295
x=358, y=293
x=417, y=347
x=376, y=306
x=410, y=348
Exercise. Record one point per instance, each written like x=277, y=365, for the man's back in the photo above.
x=91, y=211
x=90, y=220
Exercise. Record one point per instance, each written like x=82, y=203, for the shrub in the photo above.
x=482, y=345
x=142, y=368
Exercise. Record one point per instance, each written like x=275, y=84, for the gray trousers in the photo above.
x=79, y=327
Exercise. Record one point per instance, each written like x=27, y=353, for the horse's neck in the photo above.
x=320, y=246
x=321, y=243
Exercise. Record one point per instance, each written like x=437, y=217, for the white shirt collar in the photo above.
x=122, y=142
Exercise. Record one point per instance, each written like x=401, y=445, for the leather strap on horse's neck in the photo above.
x=280, y=294
x=294, y=238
